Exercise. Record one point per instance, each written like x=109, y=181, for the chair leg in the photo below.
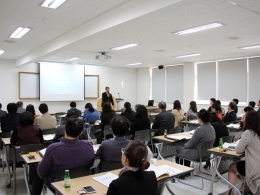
x=25, y=167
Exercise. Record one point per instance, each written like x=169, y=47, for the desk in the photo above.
x=235, y=130
x=78, y=183
x=217, y=156
x=162, y=139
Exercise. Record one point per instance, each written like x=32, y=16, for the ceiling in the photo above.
x=86, y=28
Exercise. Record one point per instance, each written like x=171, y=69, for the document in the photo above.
x=230, y=146
x=48, y=137
x=164, y=170
x=95, y=148
x=174, y=137
x=235, y=126
x=192, y=132
x=106, y=179
x=42, y=152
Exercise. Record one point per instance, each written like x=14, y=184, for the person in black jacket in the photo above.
x=107, y=97
x=212, y=101
x=230, y=116
x=164, y=120
x=128, y=112
x=235, y=101
x=132, y=178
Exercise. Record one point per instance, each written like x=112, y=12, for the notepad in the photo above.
x=164, y=170
x=230, y=146
x=42, y=152
x=174, y=137
x=106, y=179
x=192, y=132
x=48, y=137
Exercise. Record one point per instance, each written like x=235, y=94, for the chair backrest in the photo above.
x=59, y=114
x=228, y=139
x=6, y=134
x=143, y=135
x=168, y=150
x=203, y=151
x=48, y=131
x=175, y=130
x=107, y=131
x=74, y=173
x=24, y=149
x=109, y=166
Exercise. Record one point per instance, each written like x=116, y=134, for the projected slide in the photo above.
x=61, y=82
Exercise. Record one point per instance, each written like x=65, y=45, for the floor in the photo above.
x=179, y=189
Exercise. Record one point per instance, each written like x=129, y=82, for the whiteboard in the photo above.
x=91, y=86
x=29, y=85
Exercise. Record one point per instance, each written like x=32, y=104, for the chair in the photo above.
x=166, y=150
x=193, y=117
x=109, y=166
x=228, y=139
x=59, y=115
x=145, y=136
x=175, y=130
x=49, y=131
x=107, y=131
x=204, y=155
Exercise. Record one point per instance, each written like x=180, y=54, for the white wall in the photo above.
x=109, y=76
x=142, y=86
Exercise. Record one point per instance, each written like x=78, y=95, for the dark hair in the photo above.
x=106, y=107
x=252, y=103
x=31, y=109
x=43, y=108
x=136, y=153
x=177, y=105
x=26, y=118
x=72, y=112
x=193, y=106
x=162, y=105
x=106, y=87
x=19, y=104
x=127, y=106
x=0, y=105
x=73, y=104
x=213, y=100
x=246, y=109
x=12, y=107
x=141, y=112
x=235, y=100
x=204, y=115
x=252, y=122
x=214, y=117
x=218, y=102
x=120, y=125
x=231, y=105
x=90, y=107
x=74, y=126
x=217, y=107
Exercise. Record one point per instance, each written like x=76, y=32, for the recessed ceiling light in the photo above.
x=72, y=59
x=189, y=55
x=199, y=28
x=125, y=46
x=19, y=32
x=1, y=52
x=250, y=47
x=54, y=4
x=134, y=64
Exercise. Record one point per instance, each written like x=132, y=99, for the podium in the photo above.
x=118, y=100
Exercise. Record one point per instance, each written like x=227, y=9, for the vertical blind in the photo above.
x=254, y=73
x=158, y=84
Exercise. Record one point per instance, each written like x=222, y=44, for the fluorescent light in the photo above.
x=125, y=46
x=134, y=64
x=72, y=59
x=1, y=52
x=19, y=32
x=189, y=55
x=54, y=4
x=200, y=28
x=250, y=47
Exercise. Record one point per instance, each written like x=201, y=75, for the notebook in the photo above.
x=42, y=152
x=174, y=137
x=164, y=170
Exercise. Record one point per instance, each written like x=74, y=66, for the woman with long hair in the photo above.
x=193, y=109
x=128, y=112
x=177, y=112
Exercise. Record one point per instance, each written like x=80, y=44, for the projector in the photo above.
x=103, y=56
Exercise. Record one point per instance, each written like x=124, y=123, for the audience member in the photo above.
x=235, y=101
x=202, y=134
x=31, y=109
x=45, y=121
x=74, y=105
x=27, y=133
x=192, y=110
x=258, y=105
x=10, y=121
x=230, y=116
x=251, y=104
x=90, y=114
x=140, y=121
x=132, y=178
x=223, y=112
x=246, y=110
x=2, y=112
x=69, y=153
x=248, y=144
x=177, y=112
x=20, y=107
x=164, y=120
x=212, y=101
x=216, y=108
x=128, y=112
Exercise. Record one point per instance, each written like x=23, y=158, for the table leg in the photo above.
x=7, y=163
x=25, y=169
x=161, y=187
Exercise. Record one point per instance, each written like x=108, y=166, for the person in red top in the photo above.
x=217, y=109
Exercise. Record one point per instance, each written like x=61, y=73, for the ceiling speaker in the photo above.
x=160, y=67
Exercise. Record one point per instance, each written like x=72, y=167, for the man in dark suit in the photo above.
x=258, y=104
x=73, y=105
x=212, y=101
x=230, y=116
x=107, y=97
x=11, y=120
x=20, y=107
x=235, y=101
x=2, y=112
x=251, y=104
x=164, y=120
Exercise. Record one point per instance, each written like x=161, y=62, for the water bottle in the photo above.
x=67, y=179
x=165, y=133
x=220, y=143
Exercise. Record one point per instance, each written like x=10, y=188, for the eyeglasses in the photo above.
x=123, y=150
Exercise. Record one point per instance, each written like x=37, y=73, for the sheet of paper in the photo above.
x=106, y=179
x=48, y=137
x=192, y=132
x=164, y=169
x=227, y=145
x=177, y=137
x=42, y=152
x=236, y=126
x=95, y=148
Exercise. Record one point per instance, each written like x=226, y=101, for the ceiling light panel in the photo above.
x=250, y=47
x=19, y=32
x=134, y=64
x=54, y=4
x=1, y=52
x=72, y=59
x=189, y=55
x=125, y=46
x=199, y=28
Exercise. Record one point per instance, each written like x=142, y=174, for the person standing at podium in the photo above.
x=107, y=97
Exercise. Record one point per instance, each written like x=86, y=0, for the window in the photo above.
x=158, y=84
x=254, y=73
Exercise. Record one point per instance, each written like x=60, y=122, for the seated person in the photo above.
x=192, y=110
x=106, y=116
x=246, y=110
x=132, y=178
x=248, y=144
x=20, y=107
x=177, y=112
x=140, y=121
x=222, y=109
x=10, y=121
x=251, y=104
x=74, y=105
x=202, y=134
x=31, y=109
x=216, y=108
x=69, y=153
x=128, y=112
x=90, y=114
x=258, y=105
x=45, y=121
x=235, y=101
x=60, y=129
x=230, y=116
x=212, y=101
x=163, y=120
x=27, y=133
x=2, y=112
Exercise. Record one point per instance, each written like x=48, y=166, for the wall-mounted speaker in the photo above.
x=160, y=67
